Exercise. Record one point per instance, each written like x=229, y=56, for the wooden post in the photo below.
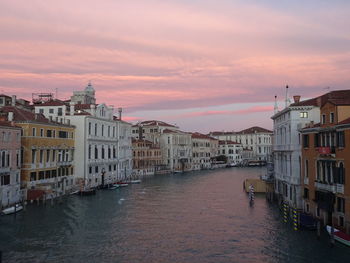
x=332, y=236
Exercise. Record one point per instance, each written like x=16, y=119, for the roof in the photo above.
x=155, y=123
x=4, y=95
x=255, y=129
x=24, y=115
x=51, y=103
x=8, y=124
x=174, y=131
x=310, y=102
x=346, y=121
x=337, y=97
x=216, y=133
x=198, y=135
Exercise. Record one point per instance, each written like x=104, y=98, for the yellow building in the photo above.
x=47, y=152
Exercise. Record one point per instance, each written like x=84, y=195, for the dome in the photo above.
x=89, y=88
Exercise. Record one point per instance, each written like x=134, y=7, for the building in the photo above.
x=233, y=152
x=202, y=151
x=103, y=151
x=47, y=152
x=257, y=139
x=326, y=161
x=287, y=148
x=176, y=148
x=10, y=163
x=147, y=158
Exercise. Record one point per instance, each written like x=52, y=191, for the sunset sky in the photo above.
x=203, y=65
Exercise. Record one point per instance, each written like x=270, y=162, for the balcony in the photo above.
x=4, y=170
x=339, y=188
x=325, y=187
x=64, y=163
x=326, y=150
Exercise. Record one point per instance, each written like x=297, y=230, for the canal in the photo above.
x=195, y=217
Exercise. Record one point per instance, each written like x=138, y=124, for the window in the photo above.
x=331, y=117
x=96, y=152
x=47, y=156
x=341, y=174
x=90, y=169
x=41, y=132
x=62, y=134
x=33, y=176
x=341, y=139
x=53, y=155
x=89, y=128
x=41, y=111
x=5, y=179
x=306, y=168
x=96, y=169
x=50, y=110
x=33, y=156
x=48, y=133
x=89, y=153
x=306, y=140
x=340, y=205
x=317, y=140
x=323, y=119
x=41, y=175
x=59, y=113
x=306, y=193
x=41, y=156
x=95, y=129
x=33, y=132
x=102, y=130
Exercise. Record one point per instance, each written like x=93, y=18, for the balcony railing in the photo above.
x=326, y=150
x=325, y=187
x=339, y=188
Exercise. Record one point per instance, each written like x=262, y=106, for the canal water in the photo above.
x=195, y=217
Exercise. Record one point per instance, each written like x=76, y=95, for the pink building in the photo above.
x=10, y=163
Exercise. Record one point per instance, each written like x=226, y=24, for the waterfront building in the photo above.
x=287, y=147
x=147, y=158
x=202, y=151
x=176, y=148
x=233, y=151
x=47, y=152
x=103, y=153
x=326, y=161
x=257, y=139
x=10, y=163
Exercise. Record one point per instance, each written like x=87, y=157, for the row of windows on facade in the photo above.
x=5, y=160
x=49, y=133
x=52, y=111
x=97, y=169
x=63, y=155
x=10, y=136
x=105, y=153
x=5, y=179
x=145, y=163
x=110, y=133
x=326, y=139
x=201, y=154
x=47, y=174
x=328, y=172
x=146, y=153
x=196, y=144
x=230, y=151
x=143, y=131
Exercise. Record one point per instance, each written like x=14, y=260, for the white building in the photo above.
x=176, y=148
x=287, y=146
x=232, y=150
x=257, y=139
x=102, y=143
x=202, y=151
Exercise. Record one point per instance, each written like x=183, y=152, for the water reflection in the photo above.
x=196, y=217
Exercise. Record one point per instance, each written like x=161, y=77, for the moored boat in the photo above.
x=90, y=191
x=13, y=209
x=339, y=235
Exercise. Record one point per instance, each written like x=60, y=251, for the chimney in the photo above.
x=13, y=100
x=296, y=98
x=93, y=109
x=71, y=108
x=120, y=113
x=10, y=116
x=276, y=106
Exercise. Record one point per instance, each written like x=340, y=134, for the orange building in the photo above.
x=325, y=176
x=147, y=157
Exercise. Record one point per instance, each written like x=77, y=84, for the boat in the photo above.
x=12, y=209
x=120, y=183
x=75, y=192
x=135, y=181
x=113, y=187
x=339, y=235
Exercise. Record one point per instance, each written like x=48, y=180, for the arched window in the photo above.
x=341, y=174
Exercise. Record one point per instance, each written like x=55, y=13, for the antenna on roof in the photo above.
x=276, y=105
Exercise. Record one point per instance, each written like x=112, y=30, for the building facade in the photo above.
x=287, y=148
x=326, y=162
x=233, y=152
x=202, y=151
x=10, y=163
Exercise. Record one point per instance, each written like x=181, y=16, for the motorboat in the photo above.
x=339, y=235
x=135, y=181
x=12, y=209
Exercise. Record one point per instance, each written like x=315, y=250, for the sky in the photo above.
x=204, y=65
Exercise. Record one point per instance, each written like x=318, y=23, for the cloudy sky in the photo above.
x=201, y=64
